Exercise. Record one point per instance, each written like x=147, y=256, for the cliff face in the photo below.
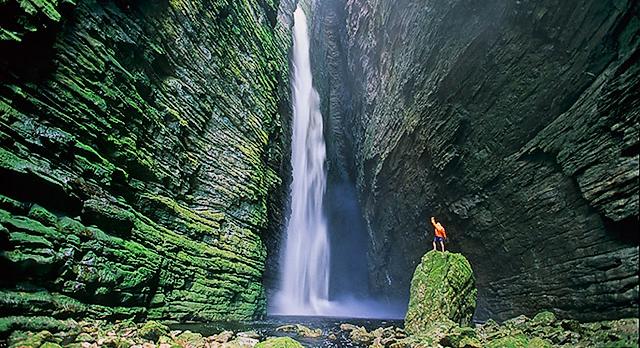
x=140, y=151
x=515, y=124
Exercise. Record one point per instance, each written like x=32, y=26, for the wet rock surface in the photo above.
x=544, y=330
x=140, y=154
x=442, y=289
x=515, y=123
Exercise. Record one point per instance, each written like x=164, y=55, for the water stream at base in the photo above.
x=267, y=328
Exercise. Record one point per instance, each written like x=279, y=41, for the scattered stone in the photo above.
x=543, y=331
x=241, y=342
x=543, y=319
x=460, y=337
x=152, y=330
x=223, y=337
x=249, y=334
x=84, y=337
x=301, y=330
x=188, y=339
x=518, y=322
x=360, y=335
x=348, y=327
x=519, y=341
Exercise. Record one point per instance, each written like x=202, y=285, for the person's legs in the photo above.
x=434, y=244
x=442, y=244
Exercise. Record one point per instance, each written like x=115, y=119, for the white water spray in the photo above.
x=304, y=288
x=305, y=278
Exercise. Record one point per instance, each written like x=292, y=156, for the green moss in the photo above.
x=11, y=204
x=6, y=35
x=39, y=213
x=543, y=319
x=34, y=323
x=29, y=241
x=538, y=342
x=518, y=341
x=72, y=226
x=152, y=330
x=142, y=138
x=190, y=339
x=279, y=342
x=443, y=287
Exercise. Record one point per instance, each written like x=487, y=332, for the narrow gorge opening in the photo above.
x=217, y=173
x=324, y=263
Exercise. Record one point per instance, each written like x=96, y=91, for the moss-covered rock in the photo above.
x=279, y=342
x=190, y=339
x=517, y=341
x=300, y=330
x=442, y=289
x=545, y=318
x=152, y=330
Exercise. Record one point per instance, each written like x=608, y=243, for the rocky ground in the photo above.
x=150, y=334
x=543, y=330
x=443, y=297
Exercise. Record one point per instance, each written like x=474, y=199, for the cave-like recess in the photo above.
x=515, y=123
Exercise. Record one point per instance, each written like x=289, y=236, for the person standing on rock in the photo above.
x=440, y=233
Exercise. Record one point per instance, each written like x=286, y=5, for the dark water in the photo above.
x=267, y=327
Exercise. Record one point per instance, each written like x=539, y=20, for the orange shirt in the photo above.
x=439, y=230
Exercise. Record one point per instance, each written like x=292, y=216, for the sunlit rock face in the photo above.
x=140, y=154
x=514, y=123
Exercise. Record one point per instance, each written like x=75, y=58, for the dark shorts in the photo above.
x=438, y=239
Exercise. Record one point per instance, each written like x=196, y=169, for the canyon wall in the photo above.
x=141, y=149
x=514, y=123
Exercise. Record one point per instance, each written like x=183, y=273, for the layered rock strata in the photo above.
x=140, y=154
x=516, y=124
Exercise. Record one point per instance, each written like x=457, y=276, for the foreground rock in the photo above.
x=380, y=337
x=301, y=330
x=442, y=289
x=91, y=333
x=544, y=330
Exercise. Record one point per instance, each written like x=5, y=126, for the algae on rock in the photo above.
x=442, y=289
x=138, y=159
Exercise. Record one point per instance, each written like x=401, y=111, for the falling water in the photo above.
x=304, y=288
x=305, y=278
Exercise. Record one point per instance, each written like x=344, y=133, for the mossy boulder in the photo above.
x=543, y=319
x=461, y=337
x=279, y=342
x=31, y=339
x=517, y=341
x=442, y=288
x=301, y=330
x=190, y=339
x=153, y=330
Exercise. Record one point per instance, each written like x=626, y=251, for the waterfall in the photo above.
x=304, y=287
x=305, y=279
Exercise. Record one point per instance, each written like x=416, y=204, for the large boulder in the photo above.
x=442, y=288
